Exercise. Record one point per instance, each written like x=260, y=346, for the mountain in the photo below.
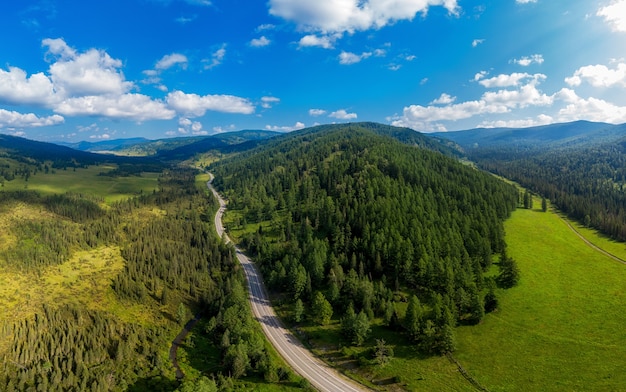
x=354, y=212
x=23, y=149
x=105, y=145
x=571, y=135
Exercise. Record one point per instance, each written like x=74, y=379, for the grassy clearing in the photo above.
x=84, y=280
x=562, y=327
x=87, y=181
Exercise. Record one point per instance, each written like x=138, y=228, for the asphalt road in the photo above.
x=320, y=375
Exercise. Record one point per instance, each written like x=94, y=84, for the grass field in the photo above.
x=562, y=328
x=87, y=181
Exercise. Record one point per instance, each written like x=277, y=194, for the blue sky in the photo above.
x=96, y=70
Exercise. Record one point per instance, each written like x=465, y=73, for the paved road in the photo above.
x=321, y=376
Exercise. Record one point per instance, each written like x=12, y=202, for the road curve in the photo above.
x=320, y=375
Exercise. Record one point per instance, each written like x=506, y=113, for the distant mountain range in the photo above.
x=176, y=146
x=570, y=135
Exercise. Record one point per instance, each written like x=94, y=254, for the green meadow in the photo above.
x=87, y=181
x=562, y=327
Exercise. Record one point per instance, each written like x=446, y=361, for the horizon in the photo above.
x=169, y=68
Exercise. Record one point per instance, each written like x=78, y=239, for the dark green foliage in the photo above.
x=321, y=309
x=357, y=215
x=67, y=348
x=355, y=327
x=509, y=272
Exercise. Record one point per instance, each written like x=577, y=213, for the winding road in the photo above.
x=320, y=375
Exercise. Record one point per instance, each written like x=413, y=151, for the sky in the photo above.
x=95, y=70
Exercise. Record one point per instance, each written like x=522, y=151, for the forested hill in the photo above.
x=24, y=149
x=355, y=214
x=579, y=167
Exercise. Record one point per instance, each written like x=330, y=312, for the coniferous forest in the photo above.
x=172, y=259
x=586, y=183
x=357, y=222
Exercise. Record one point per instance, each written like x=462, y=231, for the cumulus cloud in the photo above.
x=427, y=118
x=16, y=87
x=170, y=60
x=316, y=112
x=186, y=126
x=615, y=15
x=93, y=72
x=592, y=109
x=332, y=16
x=193, y=105
x=477, y=42
x=444, y=99
x=13, y=119
x=267, y=102
x=347, y=58
x=599, y=76
x=298, y=125
x=312, y=40
x=504, y=80
x=260, y=42
x=136, y=107
x=342, y=114
x=528, y=60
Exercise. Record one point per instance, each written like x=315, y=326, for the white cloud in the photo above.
x=264, y=27
x=136, y=107
x=298, y=125
x=312, y=40
x=477, y=42
x=380, y=52
x=599, y=76
x=184, y=20
x=504, y=80
x=341, y=114
x=491, y=102
x=193, y=105
x=170, y=60
x=528, y=60
x=104, y=136
x=267, y=102
x=316, y=112
x=592, y=109
x=216, y=58
x=331, y=16
x=444, y=99
x=186, y=126
x=93, y=72
x=220, y=129
x=615, y=15
x=260, y=42
x=347, y=58
x=12, y=120
x=17, y=88
x=525, y=1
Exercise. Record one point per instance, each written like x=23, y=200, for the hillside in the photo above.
x=350, y=215
x=578, y=166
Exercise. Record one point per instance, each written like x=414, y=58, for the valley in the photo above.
x=348, y=224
